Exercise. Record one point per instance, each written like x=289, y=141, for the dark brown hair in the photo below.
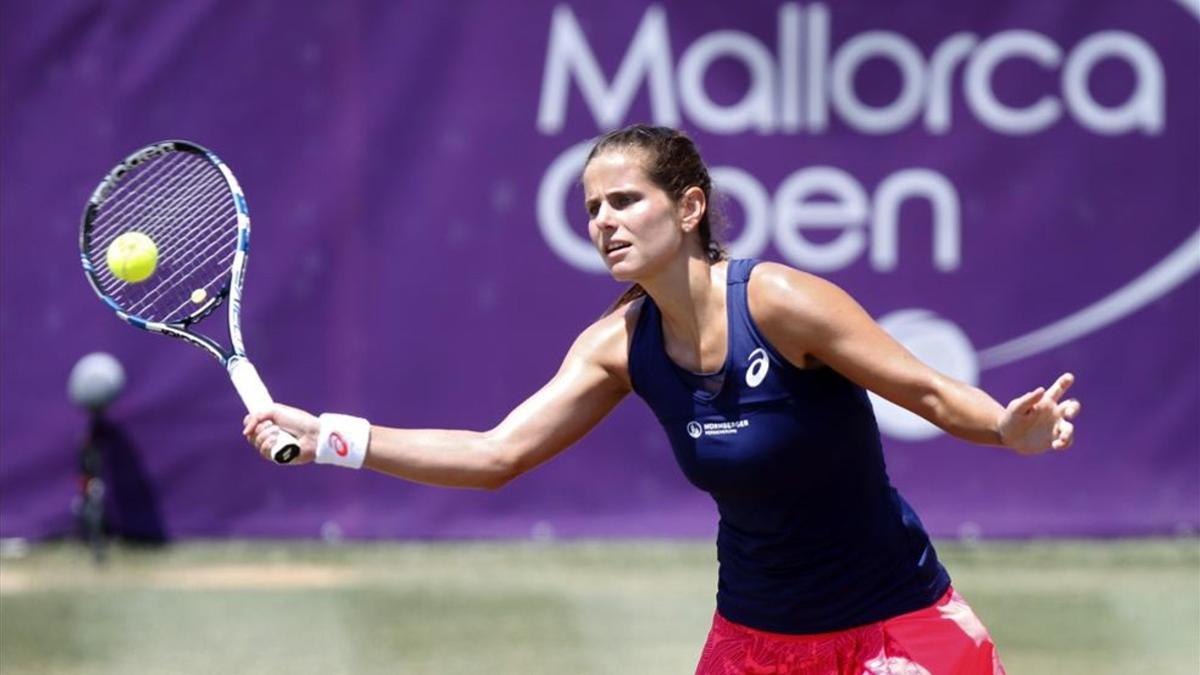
x=673, y=164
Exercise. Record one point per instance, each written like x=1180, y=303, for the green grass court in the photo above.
x=1054, y=607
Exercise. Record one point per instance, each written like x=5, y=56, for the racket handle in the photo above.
x=255, y=396
x=286, y=448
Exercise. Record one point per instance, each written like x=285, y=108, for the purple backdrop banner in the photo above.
x=1010, y=188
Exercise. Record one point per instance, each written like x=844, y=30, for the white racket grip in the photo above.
x=257, y=399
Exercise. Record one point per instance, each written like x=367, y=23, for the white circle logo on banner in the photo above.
x=940, y=344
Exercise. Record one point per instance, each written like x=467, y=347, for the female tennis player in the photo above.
x=758, y=373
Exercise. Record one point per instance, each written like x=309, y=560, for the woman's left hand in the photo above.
x=1037, y=422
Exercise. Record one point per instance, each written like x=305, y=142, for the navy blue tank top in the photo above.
x=812, y=536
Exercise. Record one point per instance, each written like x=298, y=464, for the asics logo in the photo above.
x=759, y=365
x=338, y=444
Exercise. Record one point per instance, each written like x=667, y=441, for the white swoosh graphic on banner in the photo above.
x=1192, y=6
x=1157, y=281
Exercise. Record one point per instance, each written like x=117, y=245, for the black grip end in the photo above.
x=287, y=453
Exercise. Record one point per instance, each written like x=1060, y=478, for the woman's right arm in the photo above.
x=592, y=379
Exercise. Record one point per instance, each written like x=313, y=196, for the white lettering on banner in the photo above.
x=812, y=198
x=788, y=89
x=789, y=68
x=756, y=209
x=978, y=81
x=860, y=49
x=795, y=210
x=891, y=193
x=818, y=50
x=648, y=56
x=1144, y=108
x=552, y=219
x=756, y=109
x=953, y=50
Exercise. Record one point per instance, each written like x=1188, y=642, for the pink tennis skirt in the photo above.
x=945, y=638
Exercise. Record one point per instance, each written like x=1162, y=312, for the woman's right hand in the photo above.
x=1037, y=422
x=261, y=428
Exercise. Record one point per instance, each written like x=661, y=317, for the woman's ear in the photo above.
x=692, y=206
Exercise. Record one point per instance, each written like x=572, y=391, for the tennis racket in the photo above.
x=188, y=203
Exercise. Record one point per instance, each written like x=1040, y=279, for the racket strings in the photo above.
x=200, y=191
x=170, y=299
x=184, y=204
x=161, y=231
x=215, y=251
x=165, y=232
x=181, y=180
x=132, y=207
x=184, y=254
x=126, y=195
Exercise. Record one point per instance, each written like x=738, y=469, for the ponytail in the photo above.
x=632, y=293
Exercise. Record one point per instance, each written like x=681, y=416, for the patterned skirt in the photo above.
x=942, y=639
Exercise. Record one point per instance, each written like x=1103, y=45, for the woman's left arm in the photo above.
x=807, y=317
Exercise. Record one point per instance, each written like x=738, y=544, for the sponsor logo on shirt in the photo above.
x=759, y=365
x=696, y=429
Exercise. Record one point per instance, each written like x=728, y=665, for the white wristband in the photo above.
x=342, y=440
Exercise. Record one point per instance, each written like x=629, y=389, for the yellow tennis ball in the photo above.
x=132, y=257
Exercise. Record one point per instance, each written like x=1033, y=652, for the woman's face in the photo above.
x=634, y=224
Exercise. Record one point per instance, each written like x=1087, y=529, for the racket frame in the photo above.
x=241, y=371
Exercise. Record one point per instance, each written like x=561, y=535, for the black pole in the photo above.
x=91, y=484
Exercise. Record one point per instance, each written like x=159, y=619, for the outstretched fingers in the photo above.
x=1060, y=387
x=1064, y=431
x=1026, y=403
x=1064, y=435
x=1070, y=408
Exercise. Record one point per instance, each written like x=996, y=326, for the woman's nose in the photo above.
x=604, y=219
